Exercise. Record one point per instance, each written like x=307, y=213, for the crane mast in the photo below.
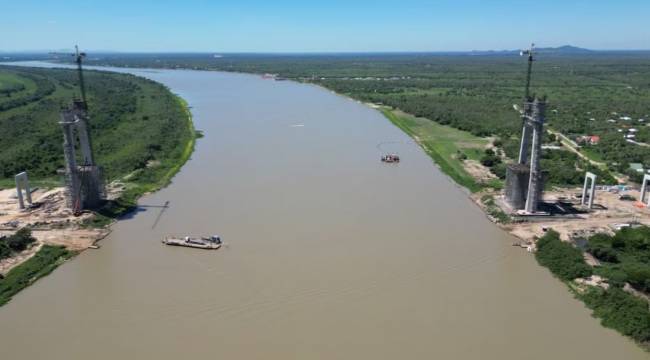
x=529, y=73
x=79, y=59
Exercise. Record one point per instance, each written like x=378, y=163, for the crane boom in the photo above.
x=78, y=59
x=529, y=74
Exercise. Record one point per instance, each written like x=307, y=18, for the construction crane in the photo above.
x=78, y=59
x=530, y=52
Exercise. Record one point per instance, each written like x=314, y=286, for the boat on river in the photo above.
x=390, y=158
x=208, y=243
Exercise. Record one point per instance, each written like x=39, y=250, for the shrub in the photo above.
x=620, y=311
x=603, y=254
x=5, y=250
x=20, y=240
x=564, y=260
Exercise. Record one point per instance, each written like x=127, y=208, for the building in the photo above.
x=638, y=167
x=591, y=140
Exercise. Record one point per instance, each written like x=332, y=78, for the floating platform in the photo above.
x=206, y=243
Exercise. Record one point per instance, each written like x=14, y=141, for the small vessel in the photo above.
x=390, y=158
x=208, y=243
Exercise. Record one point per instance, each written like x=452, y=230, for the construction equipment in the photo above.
x=530, y=52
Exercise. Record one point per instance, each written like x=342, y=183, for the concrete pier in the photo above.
x=589, y=177
x=22, y=183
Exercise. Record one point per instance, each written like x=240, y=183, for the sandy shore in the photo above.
x=51, y=222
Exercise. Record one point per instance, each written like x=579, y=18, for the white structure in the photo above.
x=592, y=191
x=22, y=183
x=644, y=189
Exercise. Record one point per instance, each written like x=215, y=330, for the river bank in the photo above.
x=457, y=154
x=617, y=304
x=322, y=238
x=61, y=235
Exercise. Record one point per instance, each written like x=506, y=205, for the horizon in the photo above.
x=316, y=52
x=293, y=27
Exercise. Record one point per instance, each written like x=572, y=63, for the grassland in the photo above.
x=443, y=144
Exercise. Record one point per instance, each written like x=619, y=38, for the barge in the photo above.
x=207, y=243
x=390, y=158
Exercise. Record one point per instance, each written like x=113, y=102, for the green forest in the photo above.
x=624, y=257
x=135, y=123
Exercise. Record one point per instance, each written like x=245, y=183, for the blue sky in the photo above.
x=322, y=26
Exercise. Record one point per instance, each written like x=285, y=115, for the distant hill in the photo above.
x=566, y=49
x=561, y=50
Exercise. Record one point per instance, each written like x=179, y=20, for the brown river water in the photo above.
x=330, y=253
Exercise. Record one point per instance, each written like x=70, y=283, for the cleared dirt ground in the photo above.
x=50, y=221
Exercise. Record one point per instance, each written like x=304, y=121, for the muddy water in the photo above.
x=330, y=254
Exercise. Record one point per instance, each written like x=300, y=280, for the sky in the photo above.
x=321, y=26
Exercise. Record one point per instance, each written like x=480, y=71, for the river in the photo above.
x=330, y=254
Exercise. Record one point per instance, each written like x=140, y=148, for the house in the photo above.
x=625, y=118
x=589, y=139
x=594, y=139
x=633, y=130
x=630, y=136
x=638, y=167
x=611, y=121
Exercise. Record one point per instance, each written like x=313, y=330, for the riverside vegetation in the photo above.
x=138, y=128
x=142, y=134
x=625, y=259
x=450, y=103
x=41, y=264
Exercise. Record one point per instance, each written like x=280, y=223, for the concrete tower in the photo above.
x=535, y=186
x=84, y=183
x=524, y=179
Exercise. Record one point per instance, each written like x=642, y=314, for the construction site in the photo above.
x=57, y=216
x=50, y=220
x=574, y=213
x=574, y=220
